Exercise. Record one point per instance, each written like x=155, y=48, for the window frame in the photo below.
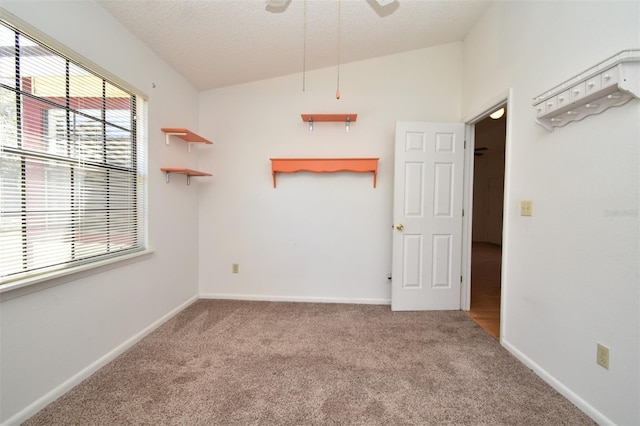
x=75, y=269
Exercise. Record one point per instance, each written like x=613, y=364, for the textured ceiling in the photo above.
x=217, y=43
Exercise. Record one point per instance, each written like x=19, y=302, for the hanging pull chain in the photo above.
x=339, y=28
x=304, y=48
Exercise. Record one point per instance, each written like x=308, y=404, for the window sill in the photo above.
x=41, y=282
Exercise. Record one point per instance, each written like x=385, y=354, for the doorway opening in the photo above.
x=487, y=218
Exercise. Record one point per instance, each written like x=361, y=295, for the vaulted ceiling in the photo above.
x=217, y=43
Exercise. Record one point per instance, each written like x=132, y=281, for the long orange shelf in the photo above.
x=324, y=165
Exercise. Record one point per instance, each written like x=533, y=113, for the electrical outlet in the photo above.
x=526, y=208
x=603, y=356
x=235, y=268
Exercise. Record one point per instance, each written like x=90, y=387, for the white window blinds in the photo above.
x=72, y=162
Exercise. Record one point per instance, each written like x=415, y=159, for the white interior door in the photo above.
x=427, y=211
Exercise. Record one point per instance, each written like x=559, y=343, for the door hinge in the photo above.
x=460, y=278
x=462, y=212
x=465, y=144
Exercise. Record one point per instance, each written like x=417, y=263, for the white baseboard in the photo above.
x=66, y=386
x=563, y=390
x=269, y=298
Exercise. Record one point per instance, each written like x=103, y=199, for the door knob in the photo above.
x=399, y=227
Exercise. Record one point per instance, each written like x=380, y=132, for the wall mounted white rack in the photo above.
x=612, y=82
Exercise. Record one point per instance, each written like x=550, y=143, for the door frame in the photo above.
x=502, y=99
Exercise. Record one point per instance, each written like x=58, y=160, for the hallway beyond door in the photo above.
x=485, y=288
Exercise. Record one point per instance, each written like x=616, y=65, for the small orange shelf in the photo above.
x=329, y=117
x=184, y=134
x=183, y=171
x=346, y=118
x=324, y=165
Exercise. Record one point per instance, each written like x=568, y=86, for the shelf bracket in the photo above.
x=310, y=124
x=168, y=135
x=347, y=123
x=168, y=179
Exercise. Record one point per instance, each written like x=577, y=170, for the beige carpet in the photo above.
x=249, y=363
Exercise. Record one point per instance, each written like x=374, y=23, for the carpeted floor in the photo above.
x=248, y=363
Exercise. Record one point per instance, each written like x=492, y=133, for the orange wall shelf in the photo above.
x=324, y=165
x=189, y=137
x=346, y=118
x=184, y=134
x=329, y=117
x=183, y=171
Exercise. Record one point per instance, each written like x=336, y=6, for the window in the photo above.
x=72, y=162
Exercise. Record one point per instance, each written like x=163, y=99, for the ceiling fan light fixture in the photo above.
x=497, y=114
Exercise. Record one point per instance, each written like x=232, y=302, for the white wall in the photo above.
x=571, y=273
x=316, y=237
x=51, y=338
